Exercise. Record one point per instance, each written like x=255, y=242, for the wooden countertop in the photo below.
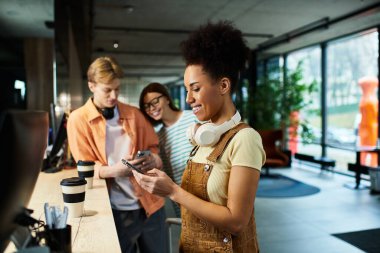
x=95, y=231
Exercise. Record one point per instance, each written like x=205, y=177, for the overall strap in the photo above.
x=193, y=151
x=223, y=143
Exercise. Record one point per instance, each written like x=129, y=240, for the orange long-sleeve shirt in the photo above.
x=86, y=130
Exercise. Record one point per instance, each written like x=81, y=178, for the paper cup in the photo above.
x=73, y=191
x=86, y=171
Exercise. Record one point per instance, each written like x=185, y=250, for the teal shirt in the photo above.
x=175, y=147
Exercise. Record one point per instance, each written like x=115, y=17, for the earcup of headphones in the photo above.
x=107, y=113
x=207, y=135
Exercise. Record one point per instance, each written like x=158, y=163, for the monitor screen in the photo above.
x=53, y=124
x=23, y=141
x=50, y=163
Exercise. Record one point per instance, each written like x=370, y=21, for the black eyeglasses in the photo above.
x=154, y=102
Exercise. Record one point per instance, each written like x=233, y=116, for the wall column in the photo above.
x=76, y=83
x=39, y=55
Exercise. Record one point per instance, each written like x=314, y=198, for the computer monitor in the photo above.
x=51, y=162
x=23, y=141
x=53, y=124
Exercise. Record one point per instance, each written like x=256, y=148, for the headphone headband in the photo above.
x=208, y=134
x=229, y=124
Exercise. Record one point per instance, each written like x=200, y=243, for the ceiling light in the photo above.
x=129, y=8
x=115, y=44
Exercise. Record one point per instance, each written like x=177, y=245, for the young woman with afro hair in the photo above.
x=219, y=183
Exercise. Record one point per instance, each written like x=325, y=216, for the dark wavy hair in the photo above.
x=159, y=88
x=219, y=48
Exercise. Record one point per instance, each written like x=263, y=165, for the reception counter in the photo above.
x=95, y=231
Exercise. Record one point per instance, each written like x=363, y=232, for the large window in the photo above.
x=348, y=60
x=310, y=59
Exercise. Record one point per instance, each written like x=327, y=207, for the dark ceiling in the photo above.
x=148, y=32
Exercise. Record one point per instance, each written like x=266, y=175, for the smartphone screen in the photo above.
x=142, y=153
x=125, y=162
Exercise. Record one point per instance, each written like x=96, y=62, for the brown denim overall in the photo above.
x=198, y=235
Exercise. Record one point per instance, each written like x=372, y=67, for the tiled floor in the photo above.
x=305, y=224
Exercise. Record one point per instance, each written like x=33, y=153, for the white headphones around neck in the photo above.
x=208, y=134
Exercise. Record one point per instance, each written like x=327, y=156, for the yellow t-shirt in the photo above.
x=245, y=149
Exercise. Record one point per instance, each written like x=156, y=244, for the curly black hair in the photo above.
x=220, y=48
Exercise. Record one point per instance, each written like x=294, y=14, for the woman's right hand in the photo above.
x=156, y=182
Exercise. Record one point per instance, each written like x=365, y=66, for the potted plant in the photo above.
x=276, y=103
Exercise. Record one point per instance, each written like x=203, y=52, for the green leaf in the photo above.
x=274, y=99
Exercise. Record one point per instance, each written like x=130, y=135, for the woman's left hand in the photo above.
x=156, y=182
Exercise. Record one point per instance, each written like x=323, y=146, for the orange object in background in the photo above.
x=368, y=124
x=293, y=131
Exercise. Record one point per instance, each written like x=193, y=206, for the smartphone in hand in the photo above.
x=142, y=153
x=125, y=162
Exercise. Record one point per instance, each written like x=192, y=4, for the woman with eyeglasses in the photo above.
x=219, y=184
x=171, y=124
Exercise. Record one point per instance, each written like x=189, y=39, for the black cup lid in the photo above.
x=73, y=181
x=85, y=163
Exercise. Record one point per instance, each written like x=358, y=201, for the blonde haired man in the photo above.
x=104, y=130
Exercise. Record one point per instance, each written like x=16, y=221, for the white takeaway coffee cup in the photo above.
x=86, y=171
x=73, y=191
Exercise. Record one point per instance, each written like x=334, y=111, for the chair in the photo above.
x=170, y=222
x=272, y=143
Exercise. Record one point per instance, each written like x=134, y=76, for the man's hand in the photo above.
x=121, y=170
x=145, y=163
